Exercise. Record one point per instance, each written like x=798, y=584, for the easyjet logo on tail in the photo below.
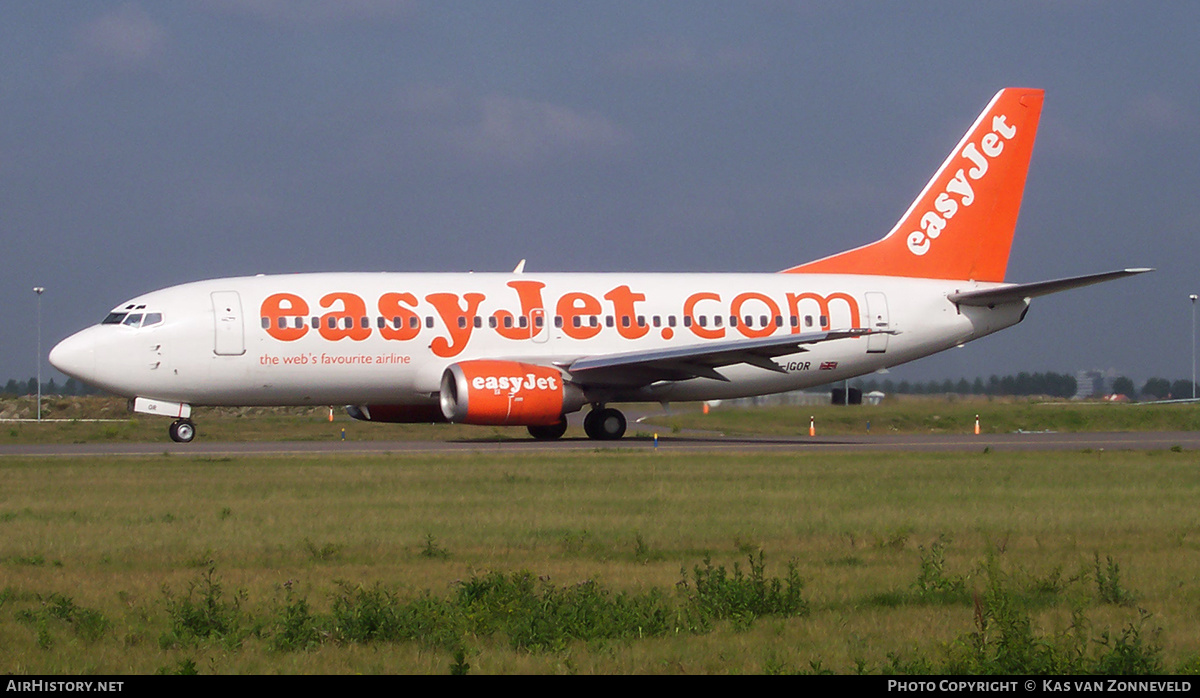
x=958, y=191
x=961, y=224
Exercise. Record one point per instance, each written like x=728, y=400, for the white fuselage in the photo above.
x=357, y=338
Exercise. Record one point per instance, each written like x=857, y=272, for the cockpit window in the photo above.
x=133, y=319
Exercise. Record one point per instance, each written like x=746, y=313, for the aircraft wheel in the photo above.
x=548, y=432
x=589, y=423
x=182, y=431
x=605, y=424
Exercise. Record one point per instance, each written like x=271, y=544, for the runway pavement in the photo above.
x=1042, y=441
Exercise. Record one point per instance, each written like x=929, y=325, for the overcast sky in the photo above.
x=146, y=144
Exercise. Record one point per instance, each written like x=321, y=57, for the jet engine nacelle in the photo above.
x=507, y=393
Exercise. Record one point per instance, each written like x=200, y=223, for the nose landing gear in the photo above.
x=182, y=431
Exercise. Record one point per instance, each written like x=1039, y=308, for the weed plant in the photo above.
x=204, y=613
x=1006, y=641
x=741, y=597
x=525, y=612
x=933, y=584
x=1108, y=583
x=57, y=609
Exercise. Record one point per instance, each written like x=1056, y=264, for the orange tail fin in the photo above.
x=961, y=226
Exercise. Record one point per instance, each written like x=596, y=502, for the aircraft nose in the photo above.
x=75, y=355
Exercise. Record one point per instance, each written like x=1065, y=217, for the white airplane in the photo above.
x=528, y=349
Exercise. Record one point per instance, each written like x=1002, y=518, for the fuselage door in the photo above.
x=877, y=320
x=537, y=325
x=227, y=315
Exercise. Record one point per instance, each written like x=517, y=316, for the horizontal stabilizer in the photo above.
x=1021, y=292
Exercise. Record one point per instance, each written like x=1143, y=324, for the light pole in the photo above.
x=39, y=290
x=1193, y=298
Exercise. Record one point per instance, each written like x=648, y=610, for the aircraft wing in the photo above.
x=1020, y=292
x=637, y=368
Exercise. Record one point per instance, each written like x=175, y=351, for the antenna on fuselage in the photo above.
x=520, y=269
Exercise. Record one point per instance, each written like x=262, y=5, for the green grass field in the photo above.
x=67, y=421
x=955, y=416
x=900, y=562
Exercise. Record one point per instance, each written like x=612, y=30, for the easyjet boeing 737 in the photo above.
x=528, y=349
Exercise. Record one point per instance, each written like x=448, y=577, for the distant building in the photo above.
x=838, y=396
x=795, y=398
x=1094, y=383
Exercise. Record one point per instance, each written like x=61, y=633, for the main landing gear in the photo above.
x=601, y=424
x=549, y=432
x=604, y=424
x=182, y=431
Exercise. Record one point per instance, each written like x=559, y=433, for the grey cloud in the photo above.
x=126, y=39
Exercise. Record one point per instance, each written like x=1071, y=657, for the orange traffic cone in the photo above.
x=812, y=426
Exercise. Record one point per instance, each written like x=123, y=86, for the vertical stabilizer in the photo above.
x=961, y=226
